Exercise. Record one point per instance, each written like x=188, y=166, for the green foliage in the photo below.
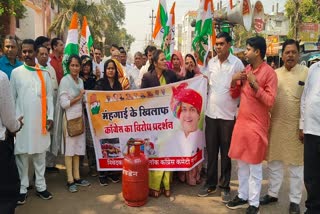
x=12, y=7
x=299, y=11
x=9, y=8
x=241, y=36
x=104, y=20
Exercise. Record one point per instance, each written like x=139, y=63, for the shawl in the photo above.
x=43, y=96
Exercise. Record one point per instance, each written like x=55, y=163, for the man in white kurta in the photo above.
x=42, y=58
x=144, y=69
x=31, y=141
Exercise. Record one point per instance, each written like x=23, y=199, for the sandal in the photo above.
x=166, y=193
x=154, y=193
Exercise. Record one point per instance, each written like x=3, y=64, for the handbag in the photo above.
x=75, y=126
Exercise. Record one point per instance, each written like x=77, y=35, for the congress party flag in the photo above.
x=86, y=40
x=169, y=32
x=204, y=30
x=72, y=45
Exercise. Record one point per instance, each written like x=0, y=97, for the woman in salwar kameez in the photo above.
x=158, y=75
x=70, y=99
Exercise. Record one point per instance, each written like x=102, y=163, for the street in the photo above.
x=96, y=199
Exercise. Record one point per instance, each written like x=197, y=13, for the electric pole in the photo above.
x=152, y=17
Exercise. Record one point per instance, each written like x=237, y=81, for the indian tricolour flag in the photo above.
x=72, y=45
x=161, y=21
x=169, y=33
x=86, y=40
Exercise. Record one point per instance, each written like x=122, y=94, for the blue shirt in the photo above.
x=6, y=66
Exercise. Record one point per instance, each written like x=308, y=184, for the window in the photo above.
x=278, y=23
x=192, y=34
x=17, y=23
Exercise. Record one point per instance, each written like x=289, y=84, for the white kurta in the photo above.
x=73, y=145
x=26, y=88
x=182, y=146
x=54, y=82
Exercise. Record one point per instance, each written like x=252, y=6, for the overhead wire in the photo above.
x=134, y=2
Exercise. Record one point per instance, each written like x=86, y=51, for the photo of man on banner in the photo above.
x=186, y=105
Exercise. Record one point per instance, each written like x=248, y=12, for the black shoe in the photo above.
x=225, y=196
x=52, y=170
x=252, y=210
x=206, y=190
x=267, y=199
x=294, y=208
x=114, y=178
x=237, y=203
x=45, y=195
x=103, y=180
x=22, y=198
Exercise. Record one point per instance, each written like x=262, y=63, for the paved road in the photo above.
x=103, y=200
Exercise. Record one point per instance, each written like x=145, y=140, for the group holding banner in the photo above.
x=168, y=118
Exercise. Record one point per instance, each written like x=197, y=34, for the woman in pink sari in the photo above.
x=177, y=63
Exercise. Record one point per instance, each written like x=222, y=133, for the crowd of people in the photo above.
x=253, y=113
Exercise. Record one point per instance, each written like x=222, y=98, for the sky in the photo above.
x=138, y=23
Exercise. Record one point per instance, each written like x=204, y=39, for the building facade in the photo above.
x=38, y=18
x=187, y=32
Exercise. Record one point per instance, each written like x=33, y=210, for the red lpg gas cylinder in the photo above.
x=135, y=176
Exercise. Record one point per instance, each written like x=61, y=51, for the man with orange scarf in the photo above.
x=32, y=93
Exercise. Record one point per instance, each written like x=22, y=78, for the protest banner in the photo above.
x=168, y=118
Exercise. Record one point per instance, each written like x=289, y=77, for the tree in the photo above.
x=299, y=11
x=10, y=8
x=104, y=19
x=125, y=39
x=241, y=36
x=65, y=10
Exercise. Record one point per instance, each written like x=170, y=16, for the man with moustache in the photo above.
x=257, y=88
x=144, y=69
x=9, y=61
x=286, y=140
x=97, y=62
x=220, y=117
x=32, y=92
x=42, y=58
x=138, y=60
